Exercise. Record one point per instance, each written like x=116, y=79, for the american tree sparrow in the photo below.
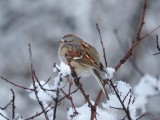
x=84, y=58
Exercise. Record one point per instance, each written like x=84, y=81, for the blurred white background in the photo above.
x=44, y=22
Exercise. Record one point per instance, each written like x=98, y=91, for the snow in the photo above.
x=123, y=89
x=18, y=117
x=148, y=82
x=140, y=103
x=44, y=96
x=85, y=114
x=55, y=69
x=148, y=86
x=64, y=69
x=136, y=102
x=3, y=113
x=110, y=72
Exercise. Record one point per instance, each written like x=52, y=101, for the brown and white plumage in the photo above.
x=84, y=58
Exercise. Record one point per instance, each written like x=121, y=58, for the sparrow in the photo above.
x=84, y=58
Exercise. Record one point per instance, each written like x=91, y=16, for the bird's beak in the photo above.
x=61, y=41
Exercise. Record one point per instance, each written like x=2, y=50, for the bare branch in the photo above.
x=4, y=116
x=38, y=113
x=5, y=107
x=120, y=100
x=47, y=81
x=142, y=20
x=103, y=48
x=30, y=52
x=116, y=108
x=34, y=86
x=158, y=47
x=13, y=104
x=68, y=94
x=126, y=95
x=57, y=98
x=141, y=116
x=19, y=86
x=136, y=41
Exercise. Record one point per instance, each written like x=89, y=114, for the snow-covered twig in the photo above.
x=121, y=101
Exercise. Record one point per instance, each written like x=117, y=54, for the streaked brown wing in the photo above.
x=86, y=56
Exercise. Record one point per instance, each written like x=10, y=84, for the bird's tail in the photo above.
x=96, y=74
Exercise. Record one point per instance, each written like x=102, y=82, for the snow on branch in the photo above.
x=85, y=113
